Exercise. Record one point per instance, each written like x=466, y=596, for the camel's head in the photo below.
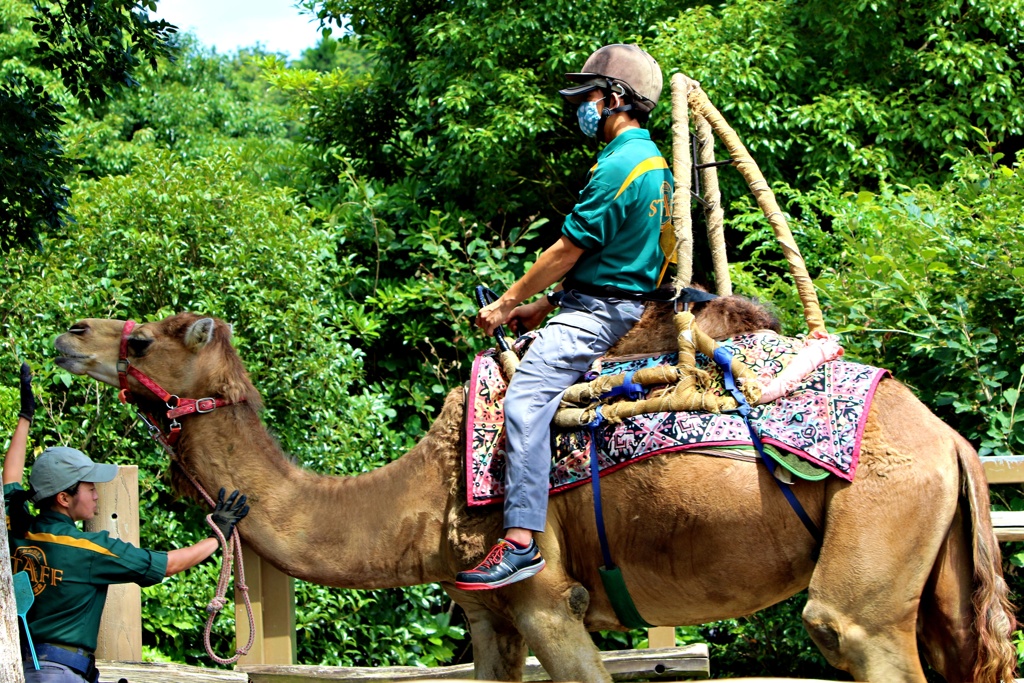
x=185, y=354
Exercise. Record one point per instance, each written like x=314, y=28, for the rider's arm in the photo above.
x=551, y=266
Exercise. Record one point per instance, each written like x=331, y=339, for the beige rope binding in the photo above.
x=509, y=362
x=688, y=387
x=713, y=213
x=682, y=251
x=748, y=168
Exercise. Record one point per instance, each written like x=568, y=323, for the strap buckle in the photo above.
x=206, y=405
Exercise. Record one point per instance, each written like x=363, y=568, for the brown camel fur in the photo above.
x=908, y=555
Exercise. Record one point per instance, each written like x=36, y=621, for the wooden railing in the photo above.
x=1009, y=526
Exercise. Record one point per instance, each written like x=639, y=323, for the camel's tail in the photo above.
x=994, y=621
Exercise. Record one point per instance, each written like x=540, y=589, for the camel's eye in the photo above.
x=139, y=346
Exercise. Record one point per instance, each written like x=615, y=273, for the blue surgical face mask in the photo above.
x=588, y=117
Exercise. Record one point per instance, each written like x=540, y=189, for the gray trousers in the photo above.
x=564, y=349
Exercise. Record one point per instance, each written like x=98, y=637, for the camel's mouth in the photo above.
x=73, y=362
x=71, y=359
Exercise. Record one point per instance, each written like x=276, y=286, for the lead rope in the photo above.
x=229, y=550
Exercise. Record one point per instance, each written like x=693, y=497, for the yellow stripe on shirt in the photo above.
x=652, y=164
x=82, y=543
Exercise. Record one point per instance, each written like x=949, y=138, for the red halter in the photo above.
x=176, y=407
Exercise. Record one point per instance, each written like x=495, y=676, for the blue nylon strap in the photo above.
x=628, y=388
x=723, y=358
x=595, y=477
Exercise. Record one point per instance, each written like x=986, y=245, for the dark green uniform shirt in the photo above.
x=625, y=205
x=70, y=570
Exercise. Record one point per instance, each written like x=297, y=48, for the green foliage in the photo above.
x=331, y=54
x=463, y=99
x=189, y=106
x=94, y=46
x=861, y=92
x=927, y=284
x=770, y=642
x=33, y=165
x=97, y=46
x=414, y=627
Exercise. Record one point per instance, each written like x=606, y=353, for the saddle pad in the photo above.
x=821, y=419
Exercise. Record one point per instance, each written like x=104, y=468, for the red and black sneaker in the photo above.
x=505, y=564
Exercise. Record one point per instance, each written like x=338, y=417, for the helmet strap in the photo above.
x=608, y=111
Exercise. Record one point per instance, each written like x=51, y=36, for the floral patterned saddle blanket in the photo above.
x=819, y=419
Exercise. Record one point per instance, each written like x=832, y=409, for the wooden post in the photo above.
x=661, y=636
x=120, y=636
x=10, y=638
x=272, y=595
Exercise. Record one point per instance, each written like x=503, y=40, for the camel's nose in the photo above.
x=79, y=328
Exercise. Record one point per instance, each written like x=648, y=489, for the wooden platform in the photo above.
x=672, y=663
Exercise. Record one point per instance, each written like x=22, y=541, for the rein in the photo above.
x=180, y=407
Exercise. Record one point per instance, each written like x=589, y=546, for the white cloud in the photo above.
x=229, y=25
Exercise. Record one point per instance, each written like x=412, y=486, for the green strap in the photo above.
x=622, y=603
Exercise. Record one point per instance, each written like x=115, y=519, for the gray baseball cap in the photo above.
x=615, y=65
x=59, y=468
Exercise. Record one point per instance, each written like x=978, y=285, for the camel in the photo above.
x=908, y=553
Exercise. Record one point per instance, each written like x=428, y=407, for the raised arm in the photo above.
x=14, y=461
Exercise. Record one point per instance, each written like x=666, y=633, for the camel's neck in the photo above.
x=380, y=529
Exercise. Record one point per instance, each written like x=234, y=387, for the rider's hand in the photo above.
x=28, y=401
x=227, y=513
x=530, y=316
x=494, y=314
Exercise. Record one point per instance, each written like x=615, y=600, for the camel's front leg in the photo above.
x=548, y=610
x=499, y=650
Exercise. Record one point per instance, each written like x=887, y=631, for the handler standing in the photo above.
x=70, y=569
x=607, y=258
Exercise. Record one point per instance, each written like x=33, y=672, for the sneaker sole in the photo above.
x=513, y=578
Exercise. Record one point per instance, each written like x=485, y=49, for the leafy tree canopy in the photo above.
x=94, y=47
x=859, y=93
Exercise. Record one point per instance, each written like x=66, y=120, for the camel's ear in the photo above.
x=199, y=334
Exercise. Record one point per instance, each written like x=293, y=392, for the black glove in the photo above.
x=227, y=513
x=28, y=401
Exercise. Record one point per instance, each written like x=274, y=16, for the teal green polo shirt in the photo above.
x=621, y=213
x=70, y=570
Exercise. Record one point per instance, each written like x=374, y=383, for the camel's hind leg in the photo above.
x=883, y=535
x=946, y=614
x=966, y=618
